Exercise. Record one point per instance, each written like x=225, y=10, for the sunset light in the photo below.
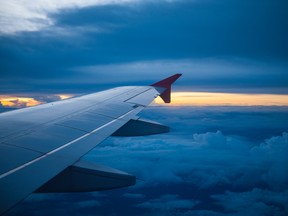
x=224, y=99
x=21, y=102
x=65, y=96
x=178, y=99
x=18, y=102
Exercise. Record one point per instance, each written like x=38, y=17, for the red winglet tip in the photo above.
x=166, y=83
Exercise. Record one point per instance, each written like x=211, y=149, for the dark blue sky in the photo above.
x=77, y=47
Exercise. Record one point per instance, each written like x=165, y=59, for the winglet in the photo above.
x=166, y=83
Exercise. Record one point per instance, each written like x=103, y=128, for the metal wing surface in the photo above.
x=41, y=147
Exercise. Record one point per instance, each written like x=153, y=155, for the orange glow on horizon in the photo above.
x=65, y=96
x=21, y=102
x=224, y=99
x=178, y=99
x=18, y=102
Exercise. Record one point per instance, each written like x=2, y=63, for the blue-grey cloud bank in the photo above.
x=215, y=161
x=80, y=46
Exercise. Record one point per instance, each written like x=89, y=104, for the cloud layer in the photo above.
x=240, y=174
x=213, y=162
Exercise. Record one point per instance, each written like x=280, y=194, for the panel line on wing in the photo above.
x=137, y=95
x=74, y=128
x=21, y=147
x=36, y=125
x=60, y=148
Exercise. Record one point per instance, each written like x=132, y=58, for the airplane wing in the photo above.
x=41, y=147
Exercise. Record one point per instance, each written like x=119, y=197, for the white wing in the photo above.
x=41, y=146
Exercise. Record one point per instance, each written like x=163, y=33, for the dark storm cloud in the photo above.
x=188, y=29
x=162, y=32
x=234, y=75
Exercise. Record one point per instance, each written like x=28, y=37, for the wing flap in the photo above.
x=86, y=176
x=141, y=128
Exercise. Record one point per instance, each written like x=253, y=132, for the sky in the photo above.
x=75, y=47
x=227, y=150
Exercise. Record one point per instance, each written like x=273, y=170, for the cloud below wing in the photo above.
x=204, y=166
x=237, y=165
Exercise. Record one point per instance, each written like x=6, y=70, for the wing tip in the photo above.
x=166, y=83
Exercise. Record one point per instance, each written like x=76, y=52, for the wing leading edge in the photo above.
x=41, y=147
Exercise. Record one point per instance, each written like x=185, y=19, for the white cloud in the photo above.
x=26, y=16
x=204, y=159
x=182, y=160
x=197, y=161
x=273, y=153
x=18, y=16
x=207, y=161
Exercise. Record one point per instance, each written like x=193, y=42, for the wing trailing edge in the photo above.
x=165, y=84
x=141, y=127
x=85, y=176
